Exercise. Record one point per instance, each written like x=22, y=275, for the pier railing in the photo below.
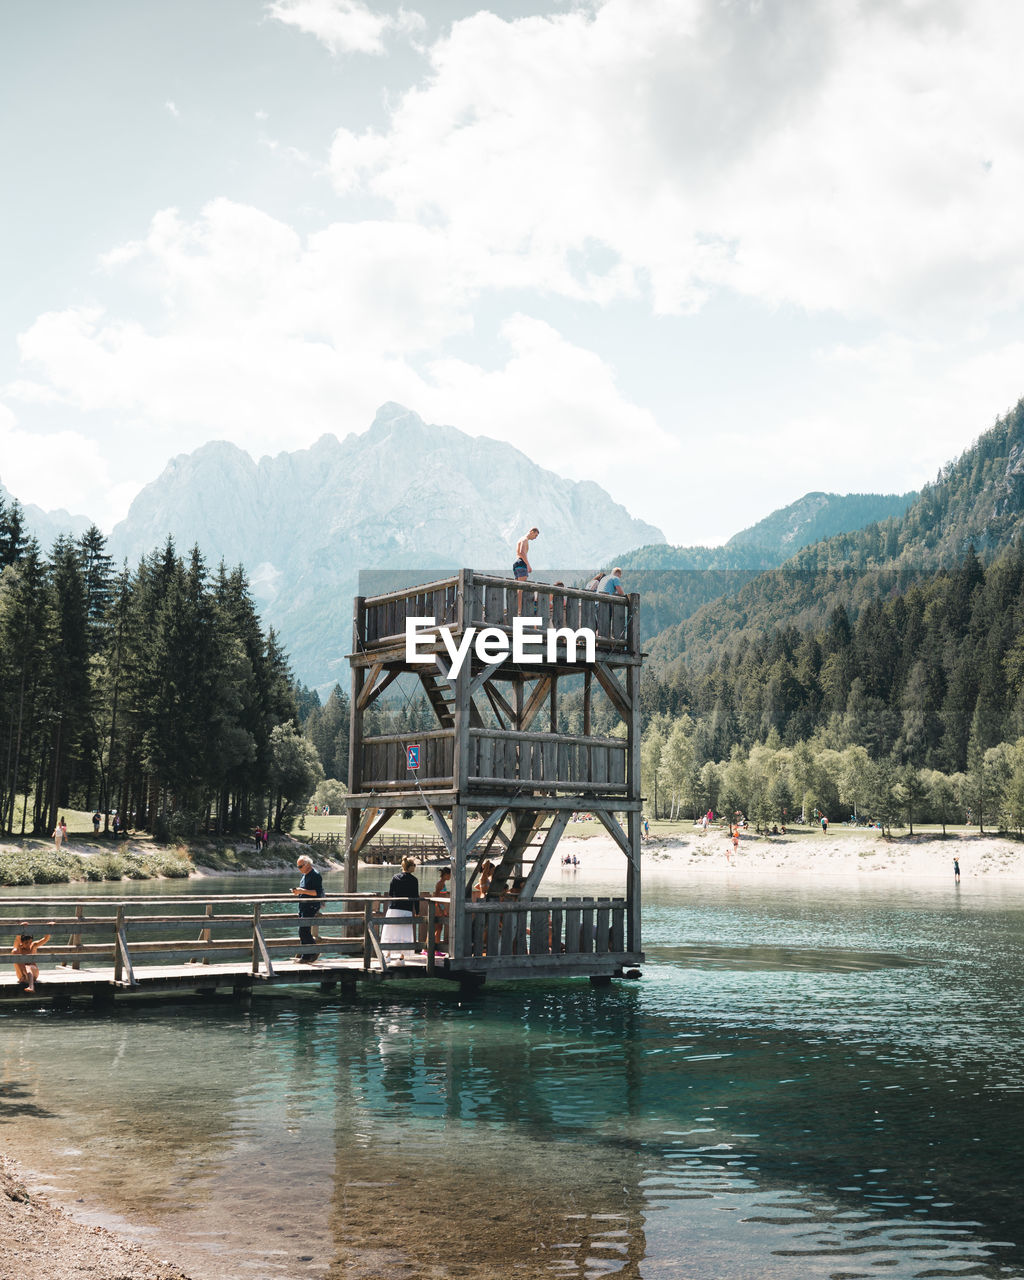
x=134, y=933
x=488, y=601
x=548, y=927
x=152, y=936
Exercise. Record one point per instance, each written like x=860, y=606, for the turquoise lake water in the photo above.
x=809, y=1081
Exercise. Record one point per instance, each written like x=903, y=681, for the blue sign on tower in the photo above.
x=412, y=755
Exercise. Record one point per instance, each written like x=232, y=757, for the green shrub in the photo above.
x=14, y=871
x=175, y=866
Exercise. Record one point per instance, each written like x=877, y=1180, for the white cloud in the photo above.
x=269, y=340
x=56, y=469
x=345, y=26
x=834, y=155
x=172, y=108
x=556, y=401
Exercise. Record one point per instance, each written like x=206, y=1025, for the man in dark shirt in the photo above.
x=311, y=892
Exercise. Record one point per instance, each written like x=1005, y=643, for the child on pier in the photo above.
x=26, y=945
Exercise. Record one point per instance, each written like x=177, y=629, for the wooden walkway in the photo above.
x=105, y=947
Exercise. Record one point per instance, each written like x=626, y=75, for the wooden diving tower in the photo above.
x=497, y=777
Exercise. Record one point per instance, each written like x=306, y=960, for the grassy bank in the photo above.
x=87, y=856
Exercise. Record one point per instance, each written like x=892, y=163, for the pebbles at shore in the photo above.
x=39, y=1241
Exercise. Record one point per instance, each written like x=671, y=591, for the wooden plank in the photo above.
x=572, y=931
x=618, y=929
x=602, y=937
x=540, y=930
x=587, y=930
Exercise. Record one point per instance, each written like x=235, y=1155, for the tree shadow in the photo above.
x=15, y=1101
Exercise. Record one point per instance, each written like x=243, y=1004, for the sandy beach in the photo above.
x=924, y=858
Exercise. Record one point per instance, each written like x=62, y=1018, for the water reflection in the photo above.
x=802, y=1086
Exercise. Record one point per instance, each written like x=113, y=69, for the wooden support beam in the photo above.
x=499, y=706
x=483, y=676
x=616, y=694
x=457, y=923
x=607, y=818
x=536, y=700
x=488, y=825
x=442, y=827
x=547, y=848
x=373, y=821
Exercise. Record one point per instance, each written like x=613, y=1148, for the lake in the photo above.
x=818, y=1080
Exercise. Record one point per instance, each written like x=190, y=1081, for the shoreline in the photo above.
x=924, y=858
x=41, y=1240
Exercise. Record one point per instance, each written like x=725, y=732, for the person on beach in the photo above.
x=26, y=945
x=399, y=927
x=311, y=890
x=97, y=818
x=59, y=832
x=824, y=825
x=956, y=870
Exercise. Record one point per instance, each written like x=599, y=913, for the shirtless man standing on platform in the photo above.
x=521, y=567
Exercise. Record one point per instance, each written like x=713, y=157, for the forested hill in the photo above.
x=774, y=539
x=976, y=501
x=676, y=581
x=816, y=516
x=900, y=639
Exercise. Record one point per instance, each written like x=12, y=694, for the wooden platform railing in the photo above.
x=385, y=763
x=548, y=927
x=547, y=761
x=493, y=602
x=497, y=757
x=129, y=934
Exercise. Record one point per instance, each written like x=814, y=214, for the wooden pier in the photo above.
x=496, y=776
x=103, y=947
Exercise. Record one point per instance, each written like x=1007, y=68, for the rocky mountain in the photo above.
x=404, y=495
x=816, y=516
x=45, y=526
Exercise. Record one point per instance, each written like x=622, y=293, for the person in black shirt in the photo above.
x=398, y=928
x=311, y=891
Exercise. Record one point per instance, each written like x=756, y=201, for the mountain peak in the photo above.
x=403, y=495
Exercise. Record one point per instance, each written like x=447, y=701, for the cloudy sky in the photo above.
x=710, y=253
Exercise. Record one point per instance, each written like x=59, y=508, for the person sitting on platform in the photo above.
x=399, y=928
x=26, y=945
